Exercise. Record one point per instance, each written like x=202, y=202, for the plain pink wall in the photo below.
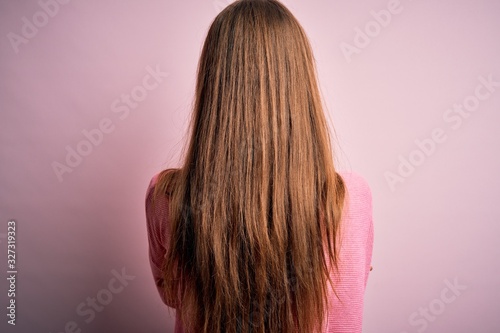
x=394, y=75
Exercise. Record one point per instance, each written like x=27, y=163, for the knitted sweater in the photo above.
x=344, y=315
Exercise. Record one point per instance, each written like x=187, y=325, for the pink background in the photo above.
x=439, y=226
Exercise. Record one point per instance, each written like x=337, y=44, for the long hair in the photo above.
x=256, y=207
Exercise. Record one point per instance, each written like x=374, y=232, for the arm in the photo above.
x=157, y=246
x=369, y=251
x=370, y=236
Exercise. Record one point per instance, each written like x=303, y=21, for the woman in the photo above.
x=257, y=232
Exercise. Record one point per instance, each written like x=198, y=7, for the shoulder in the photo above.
x=153, y=181
x=158, y=177
x=157, y=180
x=358, y=197
x=356, y=184
x=151, y=187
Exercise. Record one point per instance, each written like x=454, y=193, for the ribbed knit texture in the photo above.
x=344, y=315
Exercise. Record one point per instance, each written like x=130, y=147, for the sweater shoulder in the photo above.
x=357, y=185
x=151, y=187
x=154, y=181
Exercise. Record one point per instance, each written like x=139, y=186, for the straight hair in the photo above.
x=255, y=209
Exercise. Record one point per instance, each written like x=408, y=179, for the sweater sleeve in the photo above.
x=157, y=230
x=345, y=312
x=370, y=235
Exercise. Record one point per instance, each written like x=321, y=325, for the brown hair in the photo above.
x=258, y=196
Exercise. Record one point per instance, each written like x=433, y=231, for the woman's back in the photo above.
x=356, y=244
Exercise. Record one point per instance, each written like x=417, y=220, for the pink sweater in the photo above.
x=345, y=316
